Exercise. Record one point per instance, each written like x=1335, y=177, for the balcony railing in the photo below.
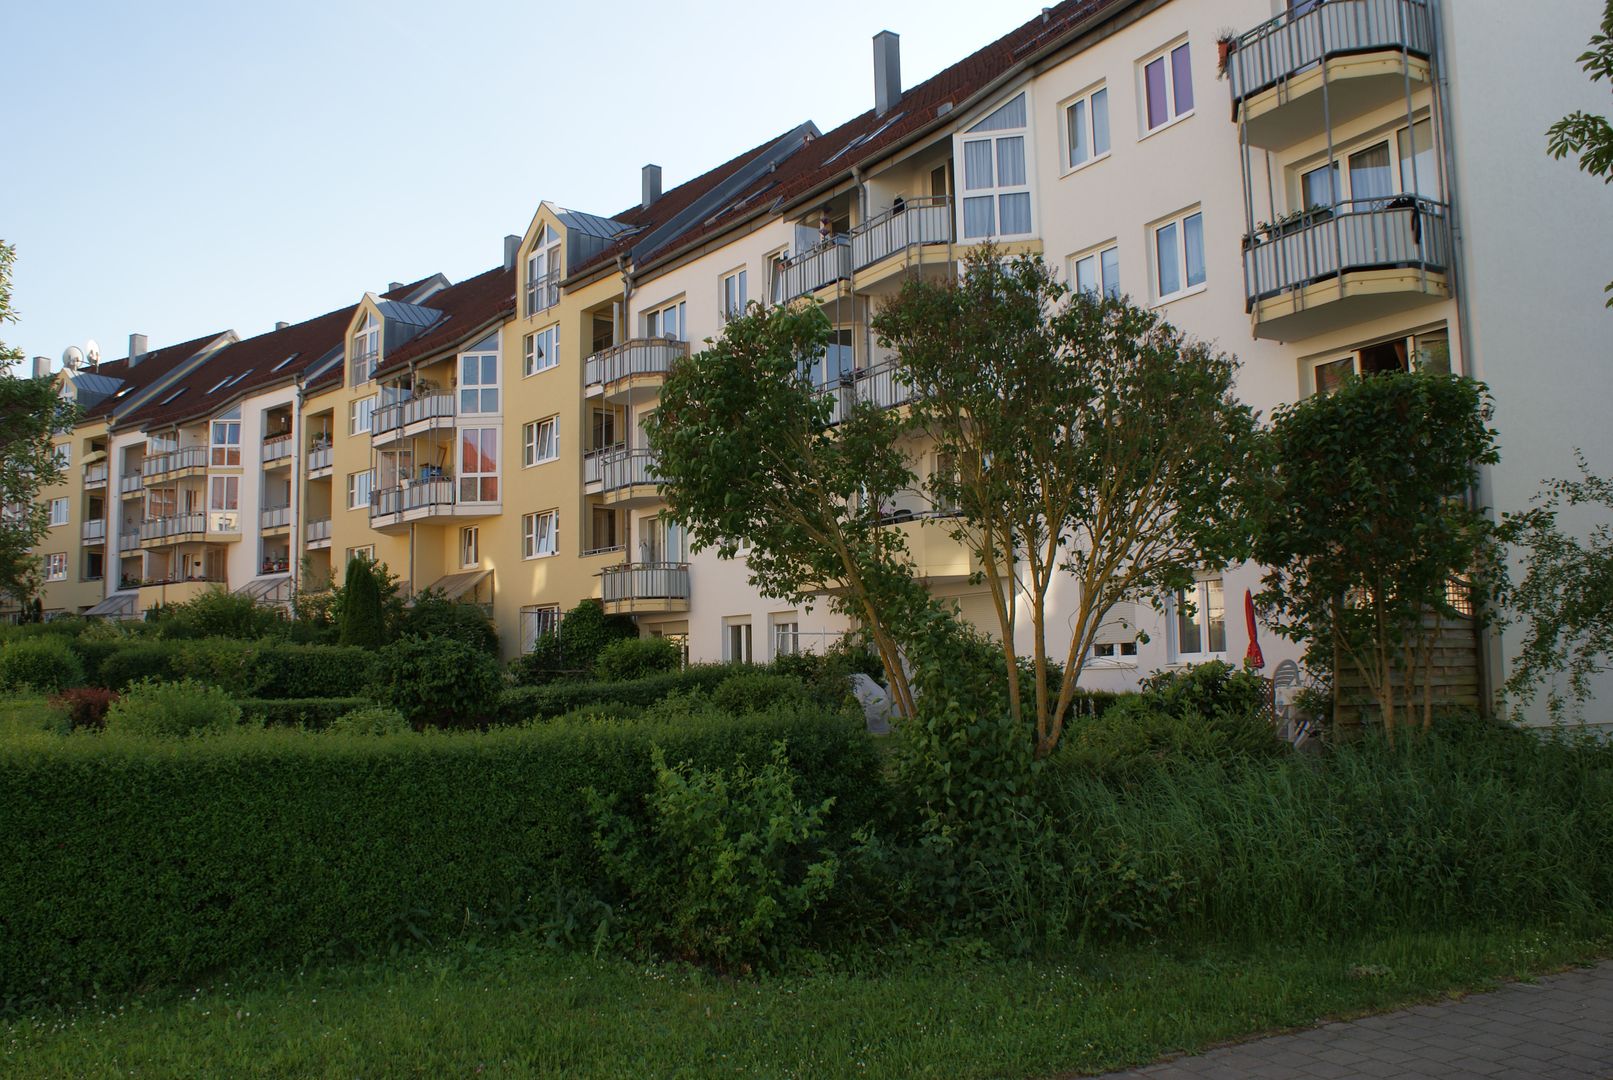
x=822, y=264
x=593, y=463
x=881, y=386
x=274, y=517
x=361, y=367
x=129, y=538
x=321, y=458
x=276, y=448
x=1358, y=234
x=543, y=293
x=1288, y=44
x=403, y=413
x=919, y=221
x=420, y=494
x=627, y=468
x=174, y=525
x=191, y=457
x=129, y=483
x=315, y=531
x=95, y=474
x=94, y=531
x=638, y=356
x=645, y=581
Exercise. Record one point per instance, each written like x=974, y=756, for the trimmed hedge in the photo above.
x=42, y=664
x=306, y=671
x=131, y=862
x=264, y=668
x=318, y=712
x=138, y=660
x=519, y=704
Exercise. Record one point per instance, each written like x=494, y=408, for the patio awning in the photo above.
x=271, y=588
x=457, y=586
x=120, y=605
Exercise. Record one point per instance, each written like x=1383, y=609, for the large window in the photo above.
x=358, y=489
x=56, y=566
x=1167, y=87
x=543, y=272
x=1086, y=128
x=666, y=321
x=360, y=413
x=737, y=641
x=478, y=378
x=1421, y=352
x=366, y=351
x=1375, y=173
x=478, y=465
x=1179, y=255
x=58, y=512
x=836, y=362
x=542, y=350
x=540, y=441
x=1098, y=271
x=227, y=439
x=604, y=429
x=1201, y=619
x=996, y=175
x=224, y=503
x=733, y=295
x=540, y=534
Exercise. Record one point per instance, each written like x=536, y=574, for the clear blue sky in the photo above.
x=177, y=168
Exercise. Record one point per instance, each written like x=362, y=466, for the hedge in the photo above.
x=130, y=863
x=299, y=712
x=306, y=671
x=519, y=704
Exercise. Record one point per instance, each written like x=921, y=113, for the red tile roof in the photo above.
x=153, y=367
x=467, y=310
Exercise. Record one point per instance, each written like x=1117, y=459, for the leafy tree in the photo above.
x=1565, y=596
x=1586, y=135
x=1370, y=523
x=1087, y=437
x=31, y=412
x=572, y=648
x=367, y=605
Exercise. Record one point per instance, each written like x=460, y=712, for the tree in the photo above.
x=1586, y=135
x=367, y=606
x=1087, y=438
x=1370, y=522
x=31, y=412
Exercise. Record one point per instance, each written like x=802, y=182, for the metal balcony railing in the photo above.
x=276, y=448
x=274, y=517
x=129, y=538
x=129, y=483
x=316, y=531
x=881, y=386
x=403, y=413
x=645, y=581
x=638, y=356
x=93, y=531
x=321, y=458
x=626, y=468
x=919, y=221
x=419, y=494
x=361, y=367
x=824, y=263
x=190, y=457
x=593, y=463
x=95, y=474
x=174, y=525
x=1355, y=234
x=1288, y=44
x=543, y=293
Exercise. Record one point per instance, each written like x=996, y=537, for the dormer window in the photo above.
x=996, y=175
x=478, y=378
x=543, y=272
x=366, y=351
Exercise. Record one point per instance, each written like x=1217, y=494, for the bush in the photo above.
x=636, y=658
x=307, y=671
x=366, y=607
x=187, y=707
x=370, y=720
x=236, y=667
x=85, y=708
x=757, y=691
x=569, y=652
x=521, y=704
x=430, y=615
x=218, y=613
x=136, y=661
x=316, y=713
x=40, y=663
x=172, y=860
x=438, y=681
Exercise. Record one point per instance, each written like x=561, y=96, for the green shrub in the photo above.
x=757, y=691
x=430, y=615
x=520, y=704
x=66, y=627
x=636, y=658
x=438, y=681
x=721, y=865
x=138, y=660
x=316, y=713
x=569, y=651
x=218, y=613
x=174, y=859
x=367, y=606
x=151, y=708
x=370, y=720
x=43, y=663
x=307, y=671
x=236, y=667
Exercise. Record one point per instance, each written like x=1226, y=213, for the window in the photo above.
x=1367, y=175
x=604, y=429
x=470, y=546
x=366, y=352
x=1086, y=128
x=1112, y=650
x=540, y=534
x=536, y=621
x=837, y=362
x=540, y=441
x=478, y=378
x=224, y=493
x=775, y=274
x=541, y=350
x=543, y=272
x=996, y=179
x=64, y=455
x=56, y=566
x=367, y=551
x=359, y=415
x=737, y=642
x=478, y=465
x=58, y=512
x=1179, y=255
x=1098, y=271
x=1167, y=87
x=786, y=636
x=1421, y=352
x=604, y=537
x=666, y=322
x=358, y=489
x=227, y=439
x=1201, y=619
x=733, y=295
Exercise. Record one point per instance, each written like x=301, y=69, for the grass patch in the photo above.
x=28, y=718
x=520, y=1010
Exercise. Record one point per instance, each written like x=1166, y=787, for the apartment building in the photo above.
x=1318, y=187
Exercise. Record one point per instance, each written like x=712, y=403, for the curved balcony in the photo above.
x=1356, y=261
x=433, y=501
x=1360, y=52
x=429, y=412
x=823, y=264
x=881, y=386
x=918, y=234
x=628, y=478
x=189, y=461
x=593, y=467
x=638, y=362
x=645, y=588
x=173, y=529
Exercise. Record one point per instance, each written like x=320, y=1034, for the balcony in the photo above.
x=1359, y=260
x=1295, y=74
x=277, y=450
x=645, y=588
x=320, y=460
x=593, y=467
x=616, y=371
x=937, y=556
x=430, y=412
x=93, y=531
x=628, y=478
x=274, y=520
x=190, y=461
x=542, y=293
x=175, y=529
x=129, y=538
x=131, y=484
x=898, y=239
x=881, y=386
x=95, y=476
x=394, y=509
x=317, y=534
x=825, y=263
x=157, y=593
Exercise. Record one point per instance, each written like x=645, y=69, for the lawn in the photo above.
x=520, y=1009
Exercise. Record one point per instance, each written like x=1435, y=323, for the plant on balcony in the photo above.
x=1226, y=43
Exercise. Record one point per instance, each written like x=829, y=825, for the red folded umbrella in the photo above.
x=1253, y=657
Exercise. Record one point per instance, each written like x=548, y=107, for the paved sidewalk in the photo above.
x=1558, y=1027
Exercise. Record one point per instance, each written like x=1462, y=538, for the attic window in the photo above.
x=237, y=378
x=173, y=397
x=286, y=361
x=221, y=384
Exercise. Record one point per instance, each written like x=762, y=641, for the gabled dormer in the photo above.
x=380, y=324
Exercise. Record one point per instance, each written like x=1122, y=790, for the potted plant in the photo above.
x=1226, y=43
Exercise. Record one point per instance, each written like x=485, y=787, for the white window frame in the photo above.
x=470, y=547
x=540, y=534
x=64, y=455
x=540, y=350
x=1118, y=651
x=1179, y=222
x=1173, y=114
x=487, y=437
x=224, y=435
x=732, y=294
x=537, y=620
x=1414, y=342
x=472, y=365
x=1087, y=101
x=1400, y=181
x=361, y=415
x=1201, y=603
x=534, y=441
x=738, y=642
x=785, y=635
x=656, y=320
x=1094, y=257
x=367, y=550
x=996, y=191
x=56, y=566
x=360, y=489
x=366, y=343
x=62, y=518
x=542, y=264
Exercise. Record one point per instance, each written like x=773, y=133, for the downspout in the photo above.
x=862, y=219
x=624, y=266
x=298, y=472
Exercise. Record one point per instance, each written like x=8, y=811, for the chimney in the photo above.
x=651, y=186
x=41, y=366
x=887, y=72
x=512, y=247
x=137, y=348
x=393, y=286
x=281, y=325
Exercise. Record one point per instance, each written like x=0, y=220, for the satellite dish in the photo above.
x=92, y=353
x=72, y=357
